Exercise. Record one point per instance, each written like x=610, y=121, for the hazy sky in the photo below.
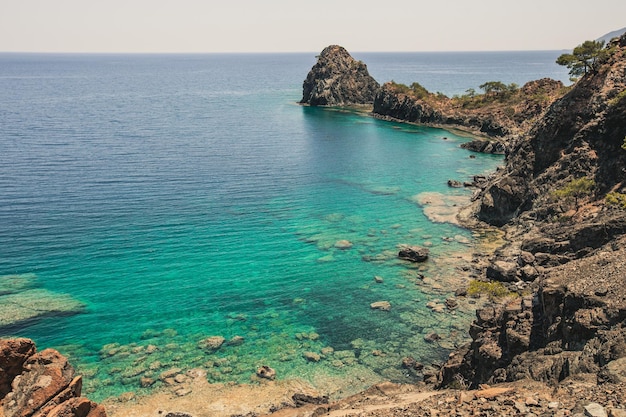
x=291, y=25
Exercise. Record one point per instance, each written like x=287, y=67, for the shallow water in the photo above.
x=181, y=197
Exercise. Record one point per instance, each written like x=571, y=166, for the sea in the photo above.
x=160, y=213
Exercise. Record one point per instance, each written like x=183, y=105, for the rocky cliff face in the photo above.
x=565, y=244
x=41, y=384
x=337, y=79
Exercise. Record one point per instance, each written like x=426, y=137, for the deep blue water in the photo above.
x=178, y=197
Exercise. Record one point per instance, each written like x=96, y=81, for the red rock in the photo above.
x=78, y=407
x=13, y=354
x=46, y=374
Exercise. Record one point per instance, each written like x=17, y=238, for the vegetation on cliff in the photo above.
x=559, y=201
x=500, y=111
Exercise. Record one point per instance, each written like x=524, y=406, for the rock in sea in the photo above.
x=414, y=254
x=337, y=79
x=381, y=305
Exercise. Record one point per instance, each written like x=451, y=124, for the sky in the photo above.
x=182, y=26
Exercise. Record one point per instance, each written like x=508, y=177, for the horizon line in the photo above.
x=266, y=52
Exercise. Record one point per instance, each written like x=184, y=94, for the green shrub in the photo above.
x=419, y=91
x=493, y=289
x=618, y=99
x=616, y=199
x=576, y=189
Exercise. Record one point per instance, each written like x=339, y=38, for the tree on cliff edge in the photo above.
x=586, y=57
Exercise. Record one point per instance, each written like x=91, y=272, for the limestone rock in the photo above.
x=381, y=305
x=311, y=356
x=266, y=372
x=595, y=410
x=337, y=79
x=211, y=343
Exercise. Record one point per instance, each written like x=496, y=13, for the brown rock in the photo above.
x=78, y=407
x=46, y=374
x=492, y=392
x=146, y=382
x=266, y=372
x=13, y=354
x=343, y=244
x=414, y=254
x=337, y=79
x=72, y=391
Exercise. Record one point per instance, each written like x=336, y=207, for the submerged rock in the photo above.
x=381, y=305
x=211, y=343
x=337, y=79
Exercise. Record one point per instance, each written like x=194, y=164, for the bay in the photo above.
x=177, y=197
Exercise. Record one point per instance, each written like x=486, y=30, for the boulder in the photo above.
x=46, y=374
x=211, y=343
x=13, y=354
x=337, y=79
x=266, y=372
x=414, y=254
x=503, y=271
x=78, y=407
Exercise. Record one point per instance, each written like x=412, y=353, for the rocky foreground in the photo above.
x=41, y=384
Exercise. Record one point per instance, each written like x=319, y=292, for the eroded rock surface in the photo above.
x=337, y=79
x=41, y=384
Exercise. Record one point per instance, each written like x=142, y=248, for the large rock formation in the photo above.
x=337, y=79
x=569, y=245
x=41, y=384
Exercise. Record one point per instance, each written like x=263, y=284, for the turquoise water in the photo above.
x=181, y=197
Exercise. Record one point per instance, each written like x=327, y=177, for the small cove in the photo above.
x=177, y=198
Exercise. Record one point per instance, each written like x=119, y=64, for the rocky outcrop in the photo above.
x=494, y=147
x=41, y=384
x=570, y=245
x=337, y=79
x=414, y=254
x=573, y=324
